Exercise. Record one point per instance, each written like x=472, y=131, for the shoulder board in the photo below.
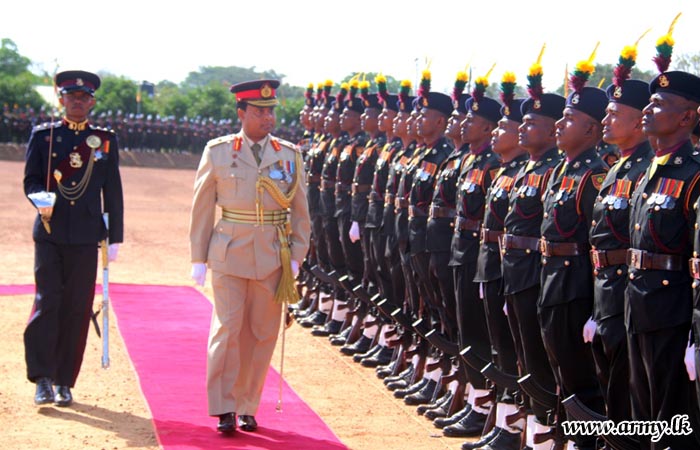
x=220, y=140
x=695, y=156
x=47, y=125
x=285, y=143
x=105, y=130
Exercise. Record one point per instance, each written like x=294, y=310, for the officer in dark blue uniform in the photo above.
x=80, y=165
x=609, y=237
x=566, y=297
x=658, y=297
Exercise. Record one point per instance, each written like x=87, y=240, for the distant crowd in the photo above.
x=138, y=132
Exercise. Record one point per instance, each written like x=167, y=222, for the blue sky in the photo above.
x=311, y=41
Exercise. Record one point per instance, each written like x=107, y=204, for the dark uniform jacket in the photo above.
x=475, y=177
x=568, y=210
x=488, y=264
x=421, y=194
x=520, y=267
x=375, y=209
x=363, y=177
x=662, y=220
x=399, y=163
x=328, y=174
x=610, y=231
x=345, y=173
x=401, y=198
x=443, y=210
x=315, y=157
x=91, y=156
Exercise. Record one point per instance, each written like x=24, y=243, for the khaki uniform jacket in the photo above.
x=227, y=177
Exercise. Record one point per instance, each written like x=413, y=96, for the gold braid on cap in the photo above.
x=286, y=292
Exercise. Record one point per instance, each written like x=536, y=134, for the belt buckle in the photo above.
x=595, y=259
x=695, y=268
x=635, y=258
x=544, y=247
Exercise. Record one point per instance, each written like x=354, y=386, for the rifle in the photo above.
x=500, y=378
x=474, y=361
x=439, y=341
x=327, y=278
x=545, y=397
x=577, y=410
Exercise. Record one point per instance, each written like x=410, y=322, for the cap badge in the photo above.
x=575, y=99
x=475, y=106
x=537, y=105
x=425, y=102
x=266, y=91
x=402, y=106
x=663, y=81
x=618, y=92
x=506, y=110
x=79, y=82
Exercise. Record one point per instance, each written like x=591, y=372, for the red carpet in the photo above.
x=165, y=329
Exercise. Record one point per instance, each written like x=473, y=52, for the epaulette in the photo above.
x=106, y=130
x=47, y=125
x=695, y=156
x=285, y=143
x=220, y=140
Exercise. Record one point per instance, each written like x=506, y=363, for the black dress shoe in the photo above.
x=63, y=396
x=383, y=356
x=340, y=339
x=227, y=423
x=332, y=327
x=504, y=440
x=247, y=423
x=425, y=395
x=411, y=389
x=359, y=346
x=471, y=425
x=485, y=439
x=317, y=318
x=442, y=422
x=44, y=391
x=403, y=375
x=441, y=403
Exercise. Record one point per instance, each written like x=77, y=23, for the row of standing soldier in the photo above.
x=497, y=270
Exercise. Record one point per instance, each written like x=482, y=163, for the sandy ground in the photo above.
x=109, y=411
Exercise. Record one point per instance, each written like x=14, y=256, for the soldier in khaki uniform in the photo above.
x=254, y=249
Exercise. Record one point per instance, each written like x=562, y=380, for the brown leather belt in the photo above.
x=464, y=224
x=605, y=258
x=414, y=211
x=549, y=248
x=341, y=187
x=441, y=212
x=644, y=260
x=313, y=179
x=327, y=184
x=360, y=188
x=508, y=241
x=490, y=235
x=694, y=264
x=400, y=203
x=388, y=199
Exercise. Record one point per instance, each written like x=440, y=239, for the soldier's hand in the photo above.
x=199, y=273
x=295, y=268
x=689, y=361
x=589, y=330
x=354, y=232
x=112, y=251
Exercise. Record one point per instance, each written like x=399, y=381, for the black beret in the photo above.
x=589, y=100
x=676, y=82
x=460, y=105
x=406, y=106
x=391, y=102
x=355, y=104
x=487, y=108
x=257, y=92
x=548, y=105
x=77, y=80
x=513, y=112
x=439, y=102
x=634, y=93
x=371, y=101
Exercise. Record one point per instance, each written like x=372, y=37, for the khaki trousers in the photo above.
x=245, y=324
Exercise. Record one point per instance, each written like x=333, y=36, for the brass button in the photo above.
x=75, y=147
x=619, y=271
x=567, y=263
x=545, y=215
x=528, y=251
x=665, y=282
x=475, y=234
x=72, y=183
x=694, y=285
x=54, y=154
x=637, y=227
x=595, y=272
x=72, y=202
x=592, y=223
x=631, y=276
x=644, y=195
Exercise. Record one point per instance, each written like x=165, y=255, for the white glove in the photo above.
x=589, y=330
x=354, y=232
x=295, y=268
x=112, y=251
x=199, y=273
x=689, y=361
x=505, y=308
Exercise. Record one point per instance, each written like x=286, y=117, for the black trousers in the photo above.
x=441, y=277
x=413, y=303
x=56, y=335
x=660, y=385
x=392, y=257
x=378, y=264
x=369, y=275
x=502, y=346
x=532, y=357
x=612, y=366
x=318, y=237
x=470, y=320
x=571, y=359
x=336, y=258
x=431, y=305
